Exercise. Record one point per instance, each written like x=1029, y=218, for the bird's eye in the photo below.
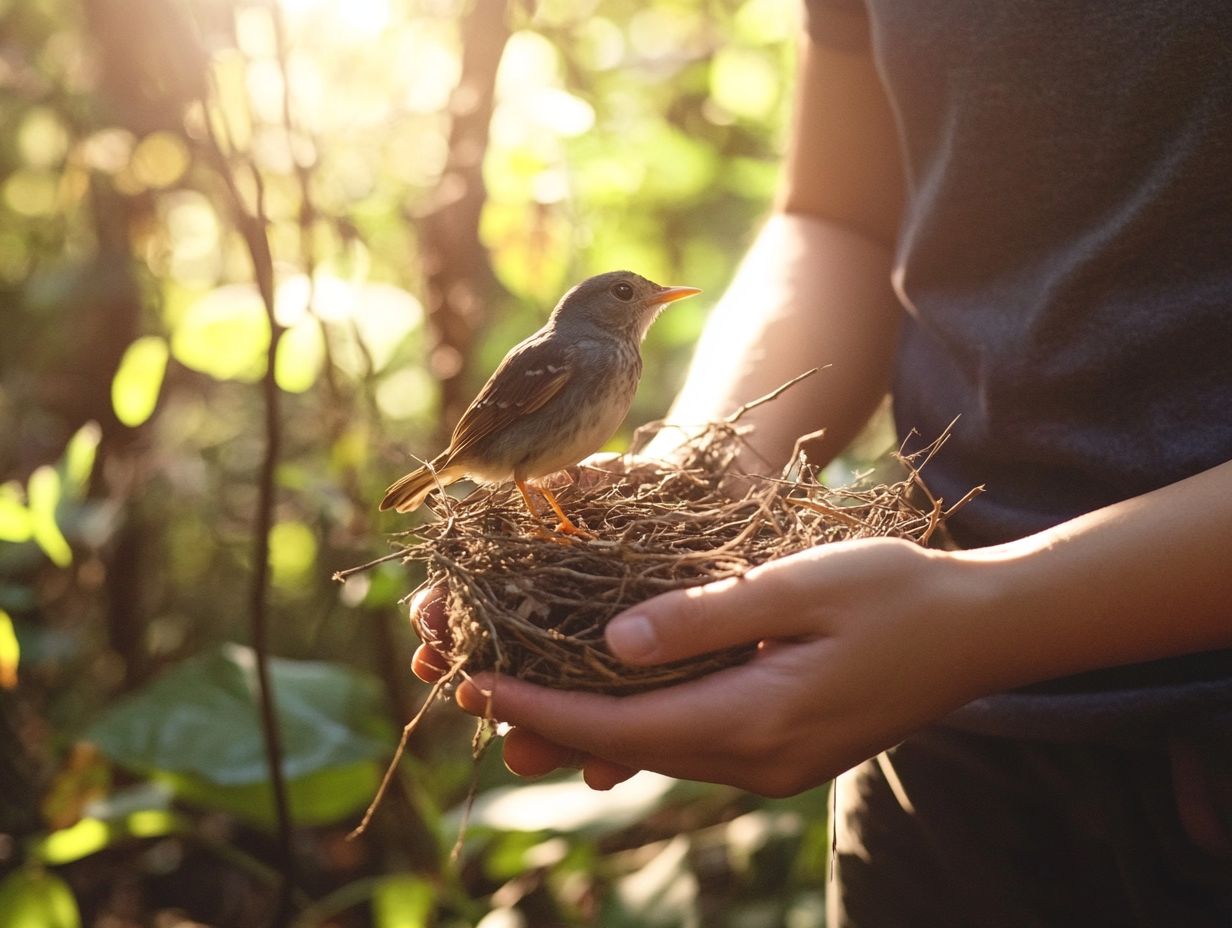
x=622, y=291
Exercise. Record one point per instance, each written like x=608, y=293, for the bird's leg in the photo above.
x=565, y=527
x=524, y=489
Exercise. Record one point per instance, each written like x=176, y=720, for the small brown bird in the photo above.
x=555, y=398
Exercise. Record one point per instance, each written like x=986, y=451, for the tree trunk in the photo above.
x=458, y=276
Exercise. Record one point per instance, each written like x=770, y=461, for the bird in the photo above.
x=556, y=398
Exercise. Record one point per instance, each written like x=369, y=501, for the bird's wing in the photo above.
x=529, y=376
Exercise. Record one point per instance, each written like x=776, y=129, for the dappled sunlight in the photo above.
x=390, y=193
x=570, y=805
x=337, y=20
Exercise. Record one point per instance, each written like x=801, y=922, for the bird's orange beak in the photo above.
x=671, y=295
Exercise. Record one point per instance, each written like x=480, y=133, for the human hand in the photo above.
x=861, y=642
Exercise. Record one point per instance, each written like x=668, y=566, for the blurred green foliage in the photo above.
x=132, y=332
x=35, y=898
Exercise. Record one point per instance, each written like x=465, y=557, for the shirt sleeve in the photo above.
x=840, y=24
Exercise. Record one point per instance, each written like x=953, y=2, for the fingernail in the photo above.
x=632, y=637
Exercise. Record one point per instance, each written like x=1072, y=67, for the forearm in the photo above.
x=809, y=293
x=1143, y=579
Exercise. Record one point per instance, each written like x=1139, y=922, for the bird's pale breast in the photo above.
x=587, y=417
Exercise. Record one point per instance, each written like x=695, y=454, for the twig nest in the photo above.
x=525, y=603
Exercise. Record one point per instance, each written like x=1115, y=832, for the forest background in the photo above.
x=254, y=254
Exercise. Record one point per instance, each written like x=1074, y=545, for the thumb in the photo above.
x=726, y=613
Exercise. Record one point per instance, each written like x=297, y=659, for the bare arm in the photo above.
x=1145, y=578
x=814, y=288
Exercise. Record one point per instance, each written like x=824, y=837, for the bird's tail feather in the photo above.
x=408, y=492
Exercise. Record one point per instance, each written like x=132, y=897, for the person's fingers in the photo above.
x=431, y=623
x=529, y=754
x=602, y=774
x=680, y=730
x=430, y=619
x=726, y=613
x=429, y=664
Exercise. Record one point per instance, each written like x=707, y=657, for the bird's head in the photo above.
x=619, y=302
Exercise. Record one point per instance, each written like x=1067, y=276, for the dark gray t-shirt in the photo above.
x=1065, y=263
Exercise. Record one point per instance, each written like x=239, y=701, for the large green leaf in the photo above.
x=197, y=727
x=320, y=798
x=402, y=901
x=34, y=898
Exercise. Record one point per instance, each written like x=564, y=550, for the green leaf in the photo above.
x=138, y=380
x=43, y=490
x=402, y=902
x=320, y=798
x=661, y=894
x=10, y=652
x=293, y=553
x=224, y=334
x=300, y=356
x=86, y=837
x=91, y=835
x=15, y=522
x=78, y=461
x=504, y=858
x=197, y=727
x=33, y=898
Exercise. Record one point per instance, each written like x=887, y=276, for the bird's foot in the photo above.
x=566, y=531
x=569, y=530
x=566, y=534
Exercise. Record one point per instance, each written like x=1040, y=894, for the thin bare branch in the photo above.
x=772, y=395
